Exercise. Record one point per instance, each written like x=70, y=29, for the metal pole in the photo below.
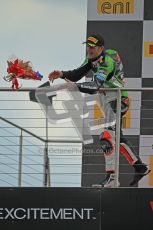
x=48, y=163
x=20, y=161
x=49, y=178
x=117, y=145
x=45, y=166
x=46, y=158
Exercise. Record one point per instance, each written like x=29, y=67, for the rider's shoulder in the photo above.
x=108, y=58
x=112, y=53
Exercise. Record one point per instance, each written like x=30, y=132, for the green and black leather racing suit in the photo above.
x=108, y=72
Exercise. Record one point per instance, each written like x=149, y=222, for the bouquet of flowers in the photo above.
x=19, y=69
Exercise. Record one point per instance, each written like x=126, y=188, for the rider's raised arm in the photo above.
x=76, y=74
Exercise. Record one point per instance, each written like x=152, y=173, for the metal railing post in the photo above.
x=46, y=158
x=20, y=161
x=45, y=179
x=49, y=178
x=117, y=145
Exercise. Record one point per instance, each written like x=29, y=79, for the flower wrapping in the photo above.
x=19, y=69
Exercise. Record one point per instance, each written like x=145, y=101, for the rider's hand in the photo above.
x=55, y=75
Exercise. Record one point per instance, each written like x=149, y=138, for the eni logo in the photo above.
x=115, y=7
x=151, y=205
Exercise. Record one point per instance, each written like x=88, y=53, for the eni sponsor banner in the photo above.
x=122, y=10
x=148, y=49
x=151, y=205
x=115, y=7
x=147, y=60
x=146, y=151
x=151, y=174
